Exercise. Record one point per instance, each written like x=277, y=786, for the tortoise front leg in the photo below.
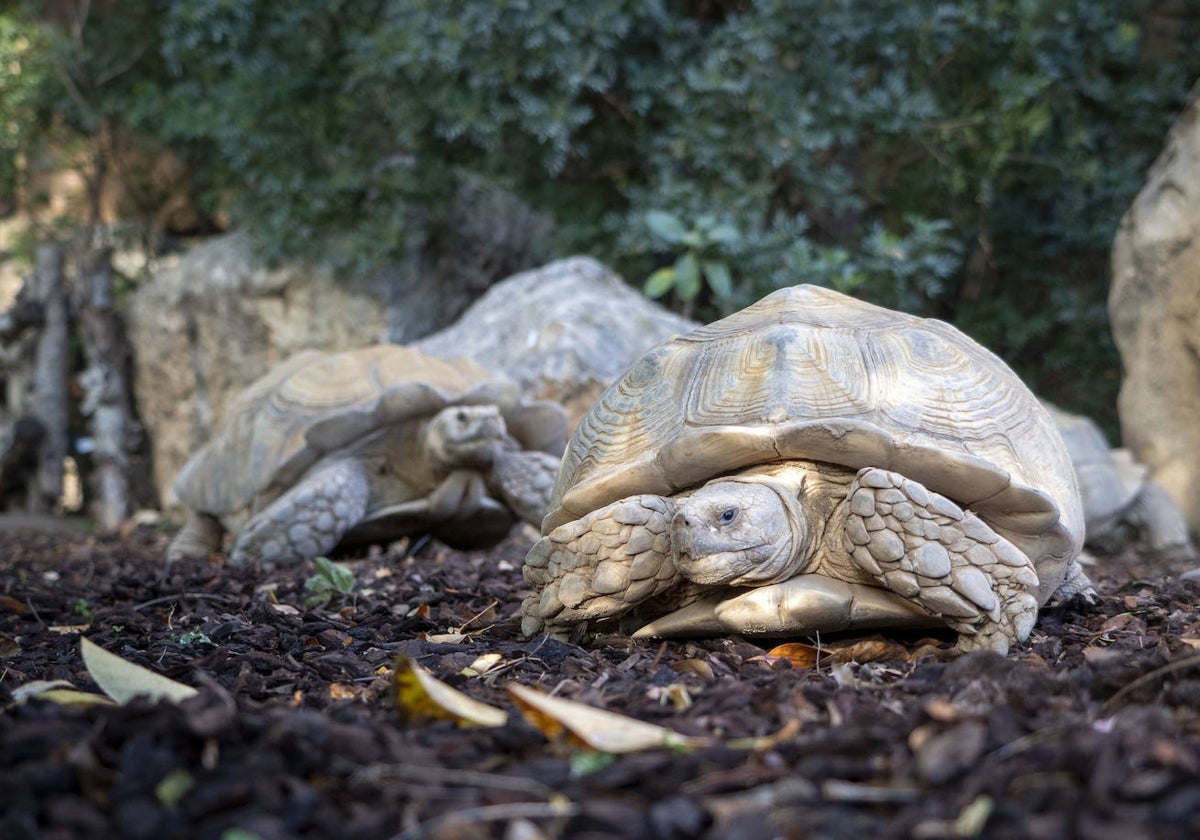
x=200, y=536
x=524, y=480
x=309, y=519
x=601, y=565
x=460, y=495
x=923, y=546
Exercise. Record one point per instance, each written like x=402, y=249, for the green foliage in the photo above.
x=966, y=159
x=195, y=637
x=24, y=81
x=328, y=580
x=700, y=258
x=586, y=762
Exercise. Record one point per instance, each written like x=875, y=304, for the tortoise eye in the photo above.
x=461, y=417
x=728, y=515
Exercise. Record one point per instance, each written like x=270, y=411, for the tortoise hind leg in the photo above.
x=599, y=566
x=309, y=519
x=922, y=546
x=200, y=536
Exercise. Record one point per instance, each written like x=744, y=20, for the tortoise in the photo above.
x=809, y=464
x=367, y=445
x=1121, y=502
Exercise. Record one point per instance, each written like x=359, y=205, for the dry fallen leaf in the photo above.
x=122, y=680
x=594, y=728
x=344, y=691
x=699, y=667
x=9, y=646
x=420, y=695
x=867, y=650
x=7, y=602
x=60, y=692
x=942, y=710
x=482, y=664
x=444, y=638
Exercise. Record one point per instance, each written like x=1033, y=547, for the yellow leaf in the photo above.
x=595, y=728
x=122, y=680
x=421, y=695
x=58, y=691
x=75, y=698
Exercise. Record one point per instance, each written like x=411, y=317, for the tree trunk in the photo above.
x=107, y=402
x=51, y=372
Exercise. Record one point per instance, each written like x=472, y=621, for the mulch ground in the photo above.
x=1091, y=729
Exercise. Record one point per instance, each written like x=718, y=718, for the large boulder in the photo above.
x=211, y=324
x=1154, y=306
x=563, y=331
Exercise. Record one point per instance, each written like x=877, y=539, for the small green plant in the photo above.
x=239, y=834
x=174, y=786
x=83, y=609
x=701, y=261
x=586, y=762
x=194, y=637
x=329, y=579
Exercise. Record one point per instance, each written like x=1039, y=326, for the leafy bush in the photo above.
x=968, y=159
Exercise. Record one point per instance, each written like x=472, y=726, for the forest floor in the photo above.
x=1091, y=729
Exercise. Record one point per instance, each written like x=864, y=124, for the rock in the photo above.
x=563, y=331
x=207, y=327
x=211, y=324
x=1120, y=501
x=1154, y=306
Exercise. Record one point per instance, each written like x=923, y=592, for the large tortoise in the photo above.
x=333, y=449
x=809, y=464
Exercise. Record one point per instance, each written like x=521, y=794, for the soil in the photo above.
x=1090, y=729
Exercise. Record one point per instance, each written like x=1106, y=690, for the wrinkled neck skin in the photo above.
x=757, y=527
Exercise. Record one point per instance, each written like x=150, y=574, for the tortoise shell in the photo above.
x=808, y=373
x=317, y=403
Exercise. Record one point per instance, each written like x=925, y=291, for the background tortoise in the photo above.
x=369, y=445
x=1120, y=500
x=812, y=463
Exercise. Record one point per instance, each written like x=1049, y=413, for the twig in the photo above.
x=1023, y=743
x=1150, y=676
x=463, y=628
x=36, y=614
x=197, y=595
x=471, y=778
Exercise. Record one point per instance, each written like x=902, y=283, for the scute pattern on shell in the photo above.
x=314, y=403
x=807, y=373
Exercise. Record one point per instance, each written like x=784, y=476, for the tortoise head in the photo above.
x=465, y=436
x=738, y=532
